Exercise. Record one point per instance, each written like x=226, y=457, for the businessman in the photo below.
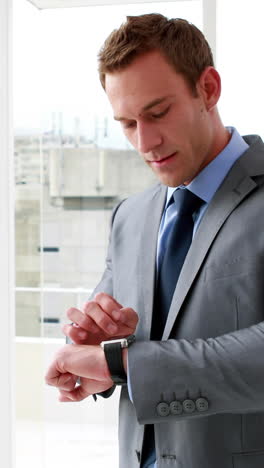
x=185, y=266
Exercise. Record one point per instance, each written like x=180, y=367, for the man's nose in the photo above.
x=148, y=137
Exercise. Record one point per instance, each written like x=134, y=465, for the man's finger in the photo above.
x=100, y=317
x=128, y=317
x=82, y=319
x=64, y=381
x=76, y=334
x=78, y=394
x=107, y=303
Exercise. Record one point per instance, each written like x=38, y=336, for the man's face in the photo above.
x=169, y=126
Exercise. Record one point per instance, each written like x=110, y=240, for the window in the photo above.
x=239, y=35
x=72, y=165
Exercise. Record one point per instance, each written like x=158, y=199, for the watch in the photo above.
x=114, y=358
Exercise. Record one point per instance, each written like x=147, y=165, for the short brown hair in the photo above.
x=182, y=44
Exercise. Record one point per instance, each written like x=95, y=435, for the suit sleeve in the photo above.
x=228, y=371
x=106, y=283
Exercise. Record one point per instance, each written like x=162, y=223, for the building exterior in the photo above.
x=65, y=192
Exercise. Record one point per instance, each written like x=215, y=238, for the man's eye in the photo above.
x=161, y=114
x=127, y=125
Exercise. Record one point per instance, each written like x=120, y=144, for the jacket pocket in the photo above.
x=249, y=460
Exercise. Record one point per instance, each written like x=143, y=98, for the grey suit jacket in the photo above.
x=213, y=342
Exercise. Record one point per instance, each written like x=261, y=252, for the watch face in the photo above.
x=124, y=342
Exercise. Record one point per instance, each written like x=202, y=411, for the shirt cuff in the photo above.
x=128, y=381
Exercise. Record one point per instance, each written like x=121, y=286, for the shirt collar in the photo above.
x=206, y=183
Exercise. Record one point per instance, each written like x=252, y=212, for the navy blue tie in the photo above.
x=178, y=244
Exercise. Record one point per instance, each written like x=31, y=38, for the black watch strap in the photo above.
x=114, y=359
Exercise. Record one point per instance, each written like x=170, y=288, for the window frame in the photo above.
x=7, y=278
x=209, y=11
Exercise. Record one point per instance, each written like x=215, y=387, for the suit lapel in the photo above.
x=236, y=186
x=148, y=259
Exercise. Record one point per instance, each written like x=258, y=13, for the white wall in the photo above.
x=35, y=401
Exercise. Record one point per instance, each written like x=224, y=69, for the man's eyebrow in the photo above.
x=119, y=119
x=148, y=106
x=155, y=102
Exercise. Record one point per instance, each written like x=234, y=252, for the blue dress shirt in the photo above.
x=204, y=186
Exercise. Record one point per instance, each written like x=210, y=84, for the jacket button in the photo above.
x=188, y=406
x=176, y=407
x=163, y=409
x=202, y=404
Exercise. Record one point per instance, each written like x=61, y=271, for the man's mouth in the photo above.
x=163, y=161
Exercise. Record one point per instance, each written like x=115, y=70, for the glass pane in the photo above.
x=73, y=165
x=240, y=65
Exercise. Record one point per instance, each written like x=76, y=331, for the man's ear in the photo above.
x=209, y=87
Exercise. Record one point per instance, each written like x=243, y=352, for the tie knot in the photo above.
x=186, y=202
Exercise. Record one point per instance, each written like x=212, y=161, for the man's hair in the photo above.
x=181, y=43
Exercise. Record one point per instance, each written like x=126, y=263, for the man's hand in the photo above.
x=103, y=318
x=87, y=362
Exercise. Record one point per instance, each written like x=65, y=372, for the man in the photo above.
x=195, y=370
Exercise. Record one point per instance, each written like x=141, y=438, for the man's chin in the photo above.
x=169, y=180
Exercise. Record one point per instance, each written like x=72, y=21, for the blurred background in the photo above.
x=72, y=165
